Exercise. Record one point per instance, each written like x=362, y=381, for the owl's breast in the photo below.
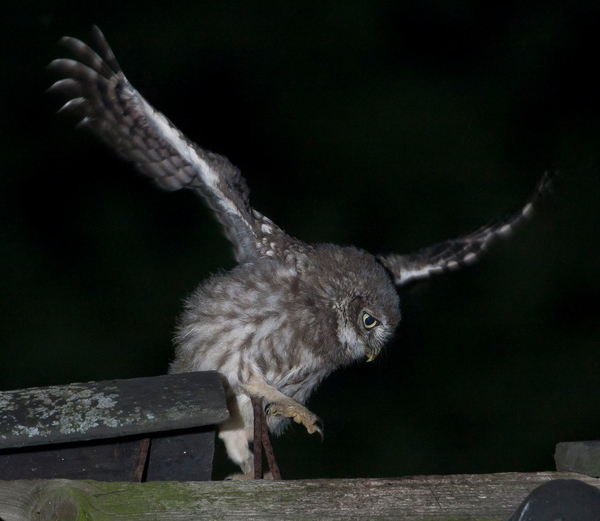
x=258, y=317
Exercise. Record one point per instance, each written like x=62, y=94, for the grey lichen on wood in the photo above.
x=484, y=496
x=96, y=410
x=578, y=456
x=74, y=409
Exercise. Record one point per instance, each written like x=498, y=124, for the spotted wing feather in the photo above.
x=454, y=254
x=101, y=97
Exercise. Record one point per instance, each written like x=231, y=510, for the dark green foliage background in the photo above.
x=387, y=125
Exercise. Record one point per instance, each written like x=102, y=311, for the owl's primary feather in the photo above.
x=456, y=253
x=290, y=313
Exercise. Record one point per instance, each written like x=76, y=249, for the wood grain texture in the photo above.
x=485, y=496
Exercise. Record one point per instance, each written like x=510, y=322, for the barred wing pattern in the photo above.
x=456, y=253
x=104, y=101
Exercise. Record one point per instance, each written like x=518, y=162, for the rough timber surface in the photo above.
x=579, y=456
x=484, y=496
x=110, y=409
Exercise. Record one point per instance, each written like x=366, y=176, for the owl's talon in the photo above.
x=318, y=426
x=319, y=429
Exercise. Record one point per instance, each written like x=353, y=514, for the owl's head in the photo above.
x=363, y=297
x=368, y=324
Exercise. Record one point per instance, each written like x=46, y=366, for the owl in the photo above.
x=289, y=313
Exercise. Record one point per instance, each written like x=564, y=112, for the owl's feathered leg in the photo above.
x=236, y=445
x=246, y=423
x=279, y=403
x=237, y=430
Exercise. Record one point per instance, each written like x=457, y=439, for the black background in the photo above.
x=387, y=125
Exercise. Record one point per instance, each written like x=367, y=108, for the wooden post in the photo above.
x=578, y=456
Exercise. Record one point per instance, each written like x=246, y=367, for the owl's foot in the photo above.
x=299, y=414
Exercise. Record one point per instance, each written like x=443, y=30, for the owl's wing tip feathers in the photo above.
x=96, y=92
x=466, y=250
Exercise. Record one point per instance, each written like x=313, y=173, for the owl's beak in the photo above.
x=372, y=355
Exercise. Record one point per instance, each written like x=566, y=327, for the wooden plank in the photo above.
x=104, y=460
x=488, y=496
x=109, y=409
x=183, y=455
x=578, y=456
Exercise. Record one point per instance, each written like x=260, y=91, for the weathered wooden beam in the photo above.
x=110, y=409
x=484, y=496
x=578, y=456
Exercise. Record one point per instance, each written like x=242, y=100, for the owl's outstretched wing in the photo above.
x=456, y=253
x=104, y=101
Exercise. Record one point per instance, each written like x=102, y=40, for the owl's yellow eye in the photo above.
x=369, y=321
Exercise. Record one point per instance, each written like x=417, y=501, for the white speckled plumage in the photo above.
x=290, y=313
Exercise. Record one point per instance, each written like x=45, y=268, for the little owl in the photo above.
x=290, y=313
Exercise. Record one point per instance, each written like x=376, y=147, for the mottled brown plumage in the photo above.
x=291, y=313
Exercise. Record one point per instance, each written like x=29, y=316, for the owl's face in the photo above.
x=363, y=296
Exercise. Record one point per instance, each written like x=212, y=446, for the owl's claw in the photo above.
x=319, y=426
x=299, y=414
